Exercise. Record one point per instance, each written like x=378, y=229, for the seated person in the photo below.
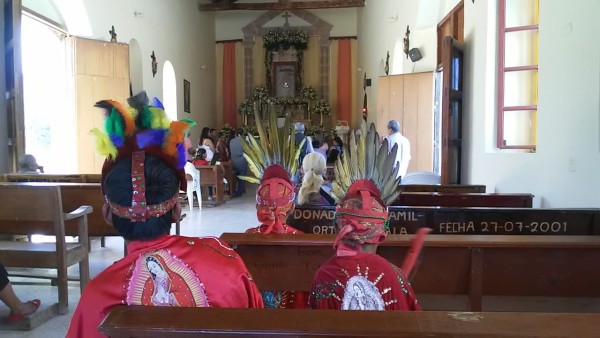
x=320, y=147
x=336, y=151
x=313, y=168
x=28, y=165
x=222, y=147
x=141, y=180
x=356, y=278
x=18, y=309
x=200, y=157
x=274, y=200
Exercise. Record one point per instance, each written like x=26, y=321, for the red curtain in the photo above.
x=344, y=81
x=229, y=94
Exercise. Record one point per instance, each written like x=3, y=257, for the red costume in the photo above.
x=354, y=280
x=164, y=270
x=274, y=200
x=218, y=279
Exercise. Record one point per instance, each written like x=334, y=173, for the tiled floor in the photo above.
x=235, y=215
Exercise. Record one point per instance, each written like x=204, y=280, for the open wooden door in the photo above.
x=15, y=119
x=452, y=108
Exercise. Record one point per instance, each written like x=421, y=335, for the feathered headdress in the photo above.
x=368, y=160
x=365, y=182
x=140, y=127
x=274, y=146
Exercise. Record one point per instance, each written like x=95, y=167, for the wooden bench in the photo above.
x=72, y=178
x=467, y=265
x=230, y=177
x=444, y=188
x=76, y=194
x=437, y=199
x=37, y=209
x=211, y=175
x=154, y=321
x=449, y=220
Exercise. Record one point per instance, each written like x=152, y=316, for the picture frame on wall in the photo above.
x=186, y=96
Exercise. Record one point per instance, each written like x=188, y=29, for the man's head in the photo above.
x=361, y=218
x=239, y=132
x=161, y=188
x=28, y=163
x=299, y=127
x=393, y=127
x=274, y=198
x=143, y=171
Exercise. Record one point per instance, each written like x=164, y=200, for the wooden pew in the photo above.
x=230, y=177
x=154, y=321
x=436, y=199
x=76, y=194
x=468, y=265
x=37, y=209
x=444, y=188
x=448, y=220
x=75, y=178
x=211, y=175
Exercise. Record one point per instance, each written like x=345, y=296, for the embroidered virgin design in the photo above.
x=158, y=278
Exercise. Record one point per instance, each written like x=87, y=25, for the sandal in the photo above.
x=13, y=317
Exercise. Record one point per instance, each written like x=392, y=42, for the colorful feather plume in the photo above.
x=175, y=136
x=104, y=145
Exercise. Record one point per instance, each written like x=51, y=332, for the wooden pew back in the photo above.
x=545, y=266
x=211, y=175
x=155, y=321
x=42, y=178
x=444, y=188
x=455, y=221
x=437, y=199
x=32, y=208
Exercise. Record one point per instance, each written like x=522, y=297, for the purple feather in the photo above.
x=156, y=102
x=149, y=138
x=181, y=156
x=116, y=140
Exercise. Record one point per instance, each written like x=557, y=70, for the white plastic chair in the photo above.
x=421, y=177
x=193, y=184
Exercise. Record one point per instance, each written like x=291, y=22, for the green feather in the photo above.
x=249, y=179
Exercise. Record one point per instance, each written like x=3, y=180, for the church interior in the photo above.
x=500, y=98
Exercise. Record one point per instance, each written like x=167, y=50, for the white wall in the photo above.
x=563, y=172
x=229, y=24
x=381, y=28
x=174, y=29
x=3, y=131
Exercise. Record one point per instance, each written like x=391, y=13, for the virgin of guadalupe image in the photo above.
x=165, y=287
x=361, y=294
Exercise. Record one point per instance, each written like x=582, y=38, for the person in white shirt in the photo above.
x=403, y=155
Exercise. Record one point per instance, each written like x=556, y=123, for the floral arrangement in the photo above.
x=260, y=93
x=287, y=101
x=226, y=131
x=308, y=93
x=246, y=107
x=315, y=130
x=280, y=39
x=322, y=108
x=250, y=130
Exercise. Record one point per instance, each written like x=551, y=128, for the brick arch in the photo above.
x=317, y=27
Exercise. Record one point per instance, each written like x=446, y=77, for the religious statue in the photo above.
x=406, y=41
x=154, y=64
x=386, y=69
x=113, y=34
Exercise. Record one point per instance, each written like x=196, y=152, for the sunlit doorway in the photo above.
x=48, y=96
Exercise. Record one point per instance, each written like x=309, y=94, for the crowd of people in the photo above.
x=141, y=183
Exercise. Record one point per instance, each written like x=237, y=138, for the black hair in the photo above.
x=161, y=184
x=339, y=141
x=204, y=134
x=239, y=131
x=316, y=143
x=201, y=154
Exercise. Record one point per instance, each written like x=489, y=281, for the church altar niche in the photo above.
x=284, y=90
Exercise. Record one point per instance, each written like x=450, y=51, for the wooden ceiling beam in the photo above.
x=281, y=6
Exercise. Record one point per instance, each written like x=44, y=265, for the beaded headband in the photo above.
x=140, y=211
x=273, y=200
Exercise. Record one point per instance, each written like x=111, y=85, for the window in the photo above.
x=517, y=74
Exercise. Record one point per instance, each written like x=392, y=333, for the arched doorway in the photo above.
x=170, y=90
